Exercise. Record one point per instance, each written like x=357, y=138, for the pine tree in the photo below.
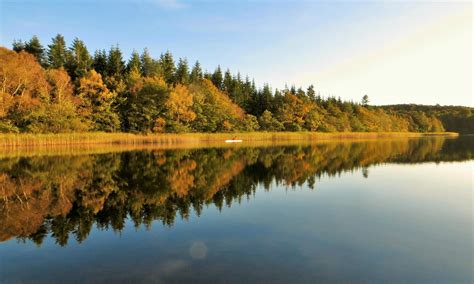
x=228, y=82
x=311, y=93
x=217, y=79
x=207, y=75
x=149, y=66
x=168, y=67
x=300, y=93
x=115, y=63
x=293, y=90
x=18, y=45
x=182, y=72
x=365, y=100
x=134, y=63
x=196, y=73
x=79, y=60
x=57, y=52
x=34, y=47
x=100, y=62
x=266, y=98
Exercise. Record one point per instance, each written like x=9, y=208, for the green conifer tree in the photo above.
x=196, y=73
x=134, y=63
x=34, y=47
x=182, y=72
x=115, y=63
x=168, y=67
x=217, y=78
x=79, y=61
x=100, y=62
x=57, y=52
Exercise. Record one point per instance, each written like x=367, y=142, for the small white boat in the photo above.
x=233, y=141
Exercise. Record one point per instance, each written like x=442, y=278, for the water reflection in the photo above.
x=65, y=195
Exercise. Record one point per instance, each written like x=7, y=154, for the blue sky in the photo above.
x=393, y=51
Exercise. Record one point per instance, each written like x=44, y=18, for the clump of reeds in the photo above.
x=31, y=140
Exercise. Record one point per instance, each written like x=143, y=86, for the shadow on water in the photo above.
x=65, y=195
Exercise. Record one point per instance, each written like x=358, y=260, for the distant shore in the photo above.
x=29, y=140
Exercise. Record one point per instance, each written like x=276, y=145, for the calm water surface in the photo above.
x=378, y=211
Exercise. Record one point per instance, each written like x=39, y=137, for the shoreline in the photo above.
x=99, y=138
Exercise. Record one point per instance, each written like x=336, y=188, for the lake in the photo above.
x=389, y=210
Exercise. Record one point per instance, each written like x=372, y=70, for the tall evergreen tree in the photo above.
x=228, y=82
x=34, y=47
x=217, y=78
x=134, y=63
x=182, y=72
x=300, y=93
x=293, y=90
x=248, y=92
x=115, y=63
x=79, y=60
x=168, y=67
x=266, y=99
x=196, y=72
x=365, y=100
x=311, y=93
x=57, y=52
x=18, y=45
x=149, y=66
x=100, y=62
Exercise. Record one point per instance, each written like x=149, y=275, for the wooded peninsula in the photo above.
x=61, y=89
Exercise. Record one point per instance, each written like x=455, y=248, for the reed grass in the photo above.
x=25, y=140
x=15, y=145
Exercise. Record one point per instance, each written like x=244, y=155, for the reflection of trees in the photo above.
x=67, y=195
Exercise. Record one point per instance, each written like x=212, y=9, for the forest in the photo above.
x=63, y=89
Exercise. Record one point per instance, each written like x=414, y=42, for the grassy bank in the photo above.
x=31, y=140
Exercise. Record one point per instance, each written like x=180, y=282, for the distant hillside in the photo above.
x=454, y=118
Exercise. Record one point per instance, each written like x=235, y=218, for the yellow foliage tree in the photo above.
x=97, y=102
x=179, y=109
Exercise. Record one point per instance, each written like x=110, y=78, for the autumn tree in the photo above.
x=97, y=103
x=269, y=123
x=33, y=100
x=58, y=112
x=179, y=109
x=23, y=87
x=146, y=105
x=293, y=112
x=214, y=110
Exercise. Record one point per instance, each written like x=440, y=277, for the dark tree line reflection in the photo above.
x=66, y=195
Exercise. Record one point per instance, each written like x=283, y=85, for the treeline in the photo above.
x=66, y=89
x=454, y=118
x=66, y=195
